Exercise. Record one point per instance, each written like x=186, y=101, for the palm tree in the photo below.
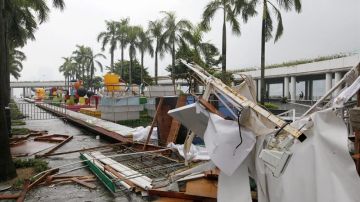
x=267, y=28
x=203, y=50
x=230, y=10
x=110, y=37
x=145, y=45
x=80, y=57
x=68, y=69
x=133, y=40
x=156, y=31
x=15, y=62
x=173, y=32
x=121, y=32
x=9, y=10
x=92, y=60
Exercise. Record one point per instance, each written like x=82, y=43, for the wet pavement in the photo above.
x=72, y=192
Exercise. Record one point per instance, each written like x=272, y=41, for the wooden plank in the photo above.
x=170, y=194
x=202, y=187
x=118, y=175
x=9, y=196
x=164, y=120
x=83, y=183
x=175, y=124
x=153, y=123
x=81, y=150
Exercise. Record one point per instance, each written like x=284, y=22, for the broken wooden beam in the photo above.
x=83, y=183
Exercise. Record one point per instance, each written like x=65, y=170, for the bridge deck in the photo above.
x=107, y=128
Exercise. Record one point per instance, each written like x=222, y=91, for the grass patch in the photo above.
x=20, y=131
x=26, y=169
x=144, y=121
x=269, y=105
x=17, y=122
x=38, y=165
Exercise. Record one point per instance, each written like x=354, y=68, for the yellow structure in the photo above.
x=39, y=93
x=112, y=82
x=91, y=112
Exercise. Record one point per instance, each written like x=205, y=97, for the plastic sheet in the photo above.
x=222, y=141
x=195, y=153
x=320, y=170
x=141, y=133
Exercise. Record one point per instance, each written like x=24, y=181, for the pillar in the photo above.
x=286, y=87
x=11, y=92
x=23, y=93
x=328, y=80
x=337, y=79
x=259, y=90
x=293, y=88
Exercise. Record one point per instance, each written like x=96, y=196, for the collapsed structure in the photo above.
x=202, y=153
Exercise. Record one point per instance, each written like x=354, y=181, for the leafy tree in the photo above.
x=156, y=30
x=174, y=29
x=92, y=63
x=145, y=45
x=133, y=40
x=111, y=38
x=80, y=58
x=136, y=72
x=17, y=25
x=121, y=32
x=267, y=29
x=205, y=51
x=230, y=10
x=15, y=62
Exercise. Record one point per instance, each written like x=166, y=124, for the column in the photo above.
x=286, y=87
x=23, y=93
x=337, y=79
x=11, y=92
x=293, y=88
x=259, y=90
x=328, y=80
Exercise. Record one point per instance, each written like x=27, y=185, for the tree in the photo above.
x=110, y=37
x=121, y=32
x=205, y=51
x=145, y=45
x=133, y=40
x=15, y=63
x=267, y=28
x=17, y=25
x=173, y=32
x=230, y=10
x=136, y=72
x=92, y=61
x=80, y=58
x=156, y=29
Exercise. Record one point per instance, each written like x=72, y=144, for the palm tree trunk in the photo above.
x=262, y=76
x=122, y=62
x=173, y=65
x=7, y=70
x=7, y=168
x=112, y=60
x=156, y=65
x=224, y=46
x=142, y=68
x=91, y=76
x=130, y=67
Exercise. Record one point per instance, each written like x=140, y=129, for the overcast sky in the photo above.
x=323, y=27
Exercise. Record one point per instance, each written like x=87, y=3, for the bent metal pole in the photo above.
x=241, y=100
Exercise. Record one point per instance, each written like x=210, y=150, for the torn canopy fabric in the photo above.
x=225, y=146
x=320, y=170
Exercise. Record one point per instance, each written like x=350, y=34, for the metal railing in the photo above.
x=31, y=111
